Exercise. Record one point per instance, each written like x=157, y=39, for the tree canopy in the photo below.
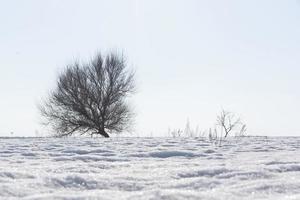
x=91, y=98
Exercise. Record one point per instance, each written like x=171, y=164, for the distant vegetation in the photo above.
x=91, y=98
x=227, y=124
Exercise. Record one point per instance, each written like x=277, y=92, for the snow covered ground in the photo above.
x=149, y=168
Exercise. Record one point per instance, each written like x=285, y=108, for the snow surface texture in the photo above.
x=149, y=168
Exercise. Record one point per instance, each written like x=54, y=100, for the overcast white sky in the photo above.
x=192, y=58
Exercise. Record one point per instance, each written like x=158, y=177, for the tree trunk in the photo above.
x=103, y=133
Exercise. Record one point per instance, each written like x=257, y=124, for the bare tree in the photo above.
x=91, y=98
x=229, y=122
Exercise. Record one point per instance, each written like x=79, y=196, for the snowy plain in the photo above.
x=149, y=168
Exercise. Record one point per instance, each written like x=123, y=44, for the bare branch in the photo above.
x=229, y=122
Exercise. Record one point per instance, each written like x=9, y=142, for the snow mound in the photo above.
x=168, y=154
x=204, y=173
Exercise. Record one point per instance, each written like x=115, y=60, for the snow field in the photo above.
x=149, y=168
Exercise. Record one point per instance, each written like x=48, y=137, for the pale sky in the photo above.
x=192, y=58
